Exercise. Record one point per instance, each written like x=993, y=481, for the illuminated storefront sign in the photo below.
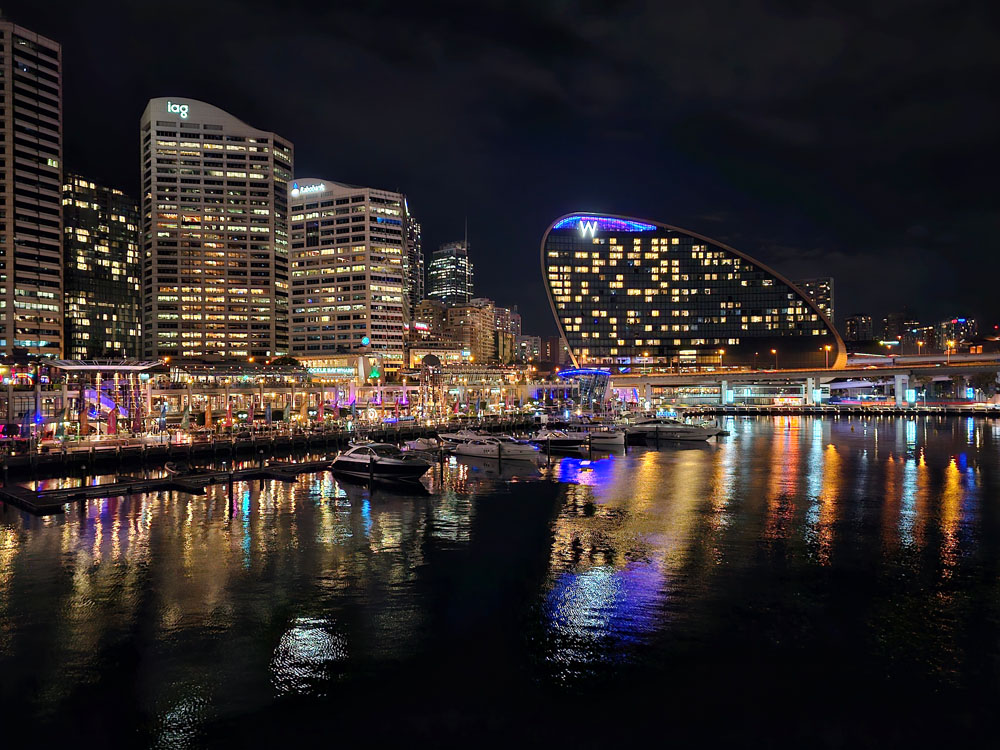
x=589, y=225
x=307, y=189
x=178, y=109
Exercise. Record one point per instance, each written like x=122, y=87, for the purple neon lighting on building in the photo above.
x=604, y=224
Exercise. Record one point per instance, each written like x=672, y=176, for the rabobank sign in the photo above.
x=177, y=109
x=307, y=189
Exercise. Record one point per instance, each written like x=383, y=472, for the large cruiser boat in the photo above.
x=495, y=446
x=668, y=428
x=556, y=440
x=380, y=461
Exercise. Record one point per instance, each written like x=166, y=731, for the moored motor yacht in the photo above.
x=427, y=444
x=668, y=428
x=599, y=438
x=380, y=461
x=495, y=446
x=555, y=439
x=461, y=436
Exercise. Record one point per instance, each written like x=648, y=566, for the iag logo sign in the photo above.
x=177, y=109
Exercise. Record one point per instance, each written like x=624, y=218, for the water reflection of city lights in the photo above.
x=306, y=650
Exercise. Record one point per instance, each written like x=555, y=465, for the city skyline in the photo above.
x=777, y=209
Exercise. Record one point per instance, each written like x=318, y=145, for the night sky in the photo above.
x=860, y=144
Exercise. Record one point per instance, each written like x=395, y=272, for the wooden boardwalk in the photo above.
x=47, y=502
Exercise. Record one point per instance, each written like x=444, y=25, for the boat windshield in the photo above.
x=386, y=451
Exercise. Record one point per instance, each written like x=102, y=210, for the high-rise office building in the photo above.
x=858, y=327
x=413, y=262
x=31, y=272
x=472, y=325
x=347, y=250
x=102, y=283
x=215, y=233
x=449, y=274
x=819, y=291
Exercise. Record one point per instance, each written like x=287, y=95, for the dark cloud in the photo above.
x=854, y=142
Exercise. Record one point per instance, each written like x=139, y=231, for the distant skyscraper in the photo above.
x=103, y=298
x=413, y=266
x=215, y=233
x=347, y=255
x=858, y=327
x=820, y=293
x=956, y=329
x=449, y=274
x=31, y=279
x=894, y=326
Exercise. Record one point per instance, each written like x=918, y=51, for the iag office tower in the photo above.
x=215, y=233
x=630, y=292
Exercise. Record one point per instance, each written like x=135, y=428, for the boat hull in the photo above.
x=394, y=470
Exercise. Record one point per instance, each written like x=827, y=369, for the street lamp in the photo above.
x=645, y=357
x=826, y=349
x=775, y=353
x=755, y=355
x=920, y=345
x=948, y=353
x=722, y=353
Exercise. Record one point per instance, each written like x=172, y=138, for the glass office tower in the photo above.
x=627, y=292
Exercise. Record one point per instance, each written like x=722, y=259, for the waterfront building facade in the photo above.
x=103, y=298
x=347, y=257
x=450, y=274
x=447, y=353
x=627, y=292
x=819, y=291
x=31, y=138
x=215, y=233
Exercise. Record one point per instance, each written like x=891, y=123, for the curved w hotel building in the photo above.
x=629, y=292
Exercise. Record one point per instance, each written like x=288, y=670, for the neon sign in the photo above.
x=307, y=189
x=177, y=109
x=588, y=225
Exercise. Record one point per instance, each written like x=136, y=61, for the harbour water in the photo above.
x=802, y=582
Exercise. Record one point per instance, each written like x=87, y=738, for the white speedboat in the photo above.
x=495, y=446
x=427, y=444
x=667, y=428
x=461, y=436
x=599, y=438
x=380, y=461
x=555, y=439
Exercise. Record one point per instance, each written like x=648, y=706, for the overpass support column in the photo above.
x=810, y=388
x=899, y=388
x=723, y=387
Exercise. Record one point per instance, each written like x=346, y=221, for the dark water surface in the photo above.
x=804, y=582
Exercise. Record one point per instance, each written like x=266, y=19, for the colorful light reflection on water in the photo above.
x=798, y=547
